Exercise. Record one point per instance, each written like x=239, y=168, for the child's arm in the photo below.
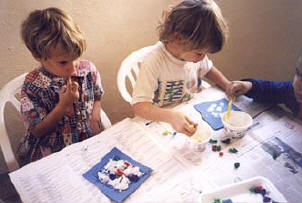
x=68, y=95
x=217, y=77
x=96, y=124
x=179, y=121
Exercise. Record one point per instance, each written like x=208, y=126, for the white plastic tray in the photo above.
x=239, y=192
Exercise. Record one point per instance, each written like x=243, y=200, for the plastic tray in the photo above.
x=239, y=192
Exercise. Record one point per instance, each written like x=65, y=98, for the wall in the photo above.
x=113, y=29
x=265, y=39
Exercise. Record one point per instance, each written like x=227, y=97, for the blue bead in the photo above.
x=263, y=192
x=112, y=176
x=227, y=201
x=266, y=199
x=133, y=178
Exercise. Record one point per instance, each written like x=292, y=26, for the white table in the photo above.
x=179, y=175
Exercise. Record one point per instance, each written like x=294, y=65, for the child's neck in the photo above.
x=173, y=49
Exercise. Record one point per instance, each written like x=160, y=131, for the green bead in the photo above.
x=236, y=165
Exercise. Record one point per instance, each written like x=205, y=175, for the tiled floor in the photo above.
x=8, y=193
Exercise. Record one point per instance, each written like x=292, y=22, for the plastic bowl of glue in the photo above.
x=201, y=137
x=237, y=124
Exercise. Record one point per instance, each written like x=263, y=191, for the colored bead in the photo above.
x=233, y=150
x=212, y=141
x=219, y=148
x=112, y=176
x=214, y=148
x=221, y=154
x=236, y=165
x=252, y=189
x=263, y=192
x=216, y=200
x=266, y=199
x=165, y=133
x=258, y=189
x=133, y=178
x=226, y=141
x=275, y=156
x=227, y=201
x=174, y=133
x=119, y=172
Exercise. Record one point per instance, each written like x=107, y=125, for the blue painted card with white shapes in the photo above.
x=112, y=193
x=211, y=111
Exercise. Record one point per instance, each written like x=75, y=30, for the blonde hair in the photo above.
x=199, y=22
x=45, y=29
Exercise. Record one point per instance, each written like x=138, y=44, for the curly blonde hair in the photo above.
x=47, y=28
x=199, y=22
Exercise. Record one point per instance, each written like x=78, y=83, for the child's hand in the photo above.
x=237, y=88
x=95, y=121
x=73, y=88
x=96, y=126
x=181, y=123
x=297, y=85
x=68, y=94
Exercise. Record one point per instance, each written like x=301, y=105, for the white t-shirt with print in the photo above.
x=164, y=79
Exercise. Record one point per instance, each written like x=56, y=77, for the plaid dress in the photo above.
x=39, y=96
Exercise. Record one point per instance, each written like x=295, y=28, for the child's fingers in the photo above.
x=190, y=127
x=189, y=130
x=69, y=83
x=236, y=90
x=63, y=89
x=190, y=122
x=74, y=86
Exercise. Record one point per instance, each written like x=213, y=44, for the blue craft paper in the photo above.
x=112, y=193
x=214, y=122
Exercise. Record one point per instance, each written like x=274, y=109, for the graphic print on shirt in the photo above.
x=173, y=91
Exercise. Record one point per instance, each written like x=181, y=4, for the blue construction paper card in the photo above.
x=211, y=111
x=116, y=195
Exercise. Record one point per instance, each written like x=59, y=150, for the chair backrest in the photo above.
x=8, y=93
x=129, y=69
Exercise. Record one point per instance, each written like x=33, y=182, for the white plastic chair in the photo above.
x=8, y=93
x=129, y=69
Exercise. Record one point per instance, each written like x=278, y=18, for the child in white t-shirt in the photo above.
x=171, y=70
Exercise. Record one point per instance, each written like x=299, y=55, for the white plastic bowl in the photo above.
x=201, y=137
x=238, y=123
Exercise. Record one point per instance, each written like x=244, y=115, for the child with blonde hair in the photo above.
x=61, y=99
x=171, y=70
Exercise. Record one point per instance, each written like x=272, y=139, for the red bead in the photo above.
x=221, y=154
x=119, y=172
